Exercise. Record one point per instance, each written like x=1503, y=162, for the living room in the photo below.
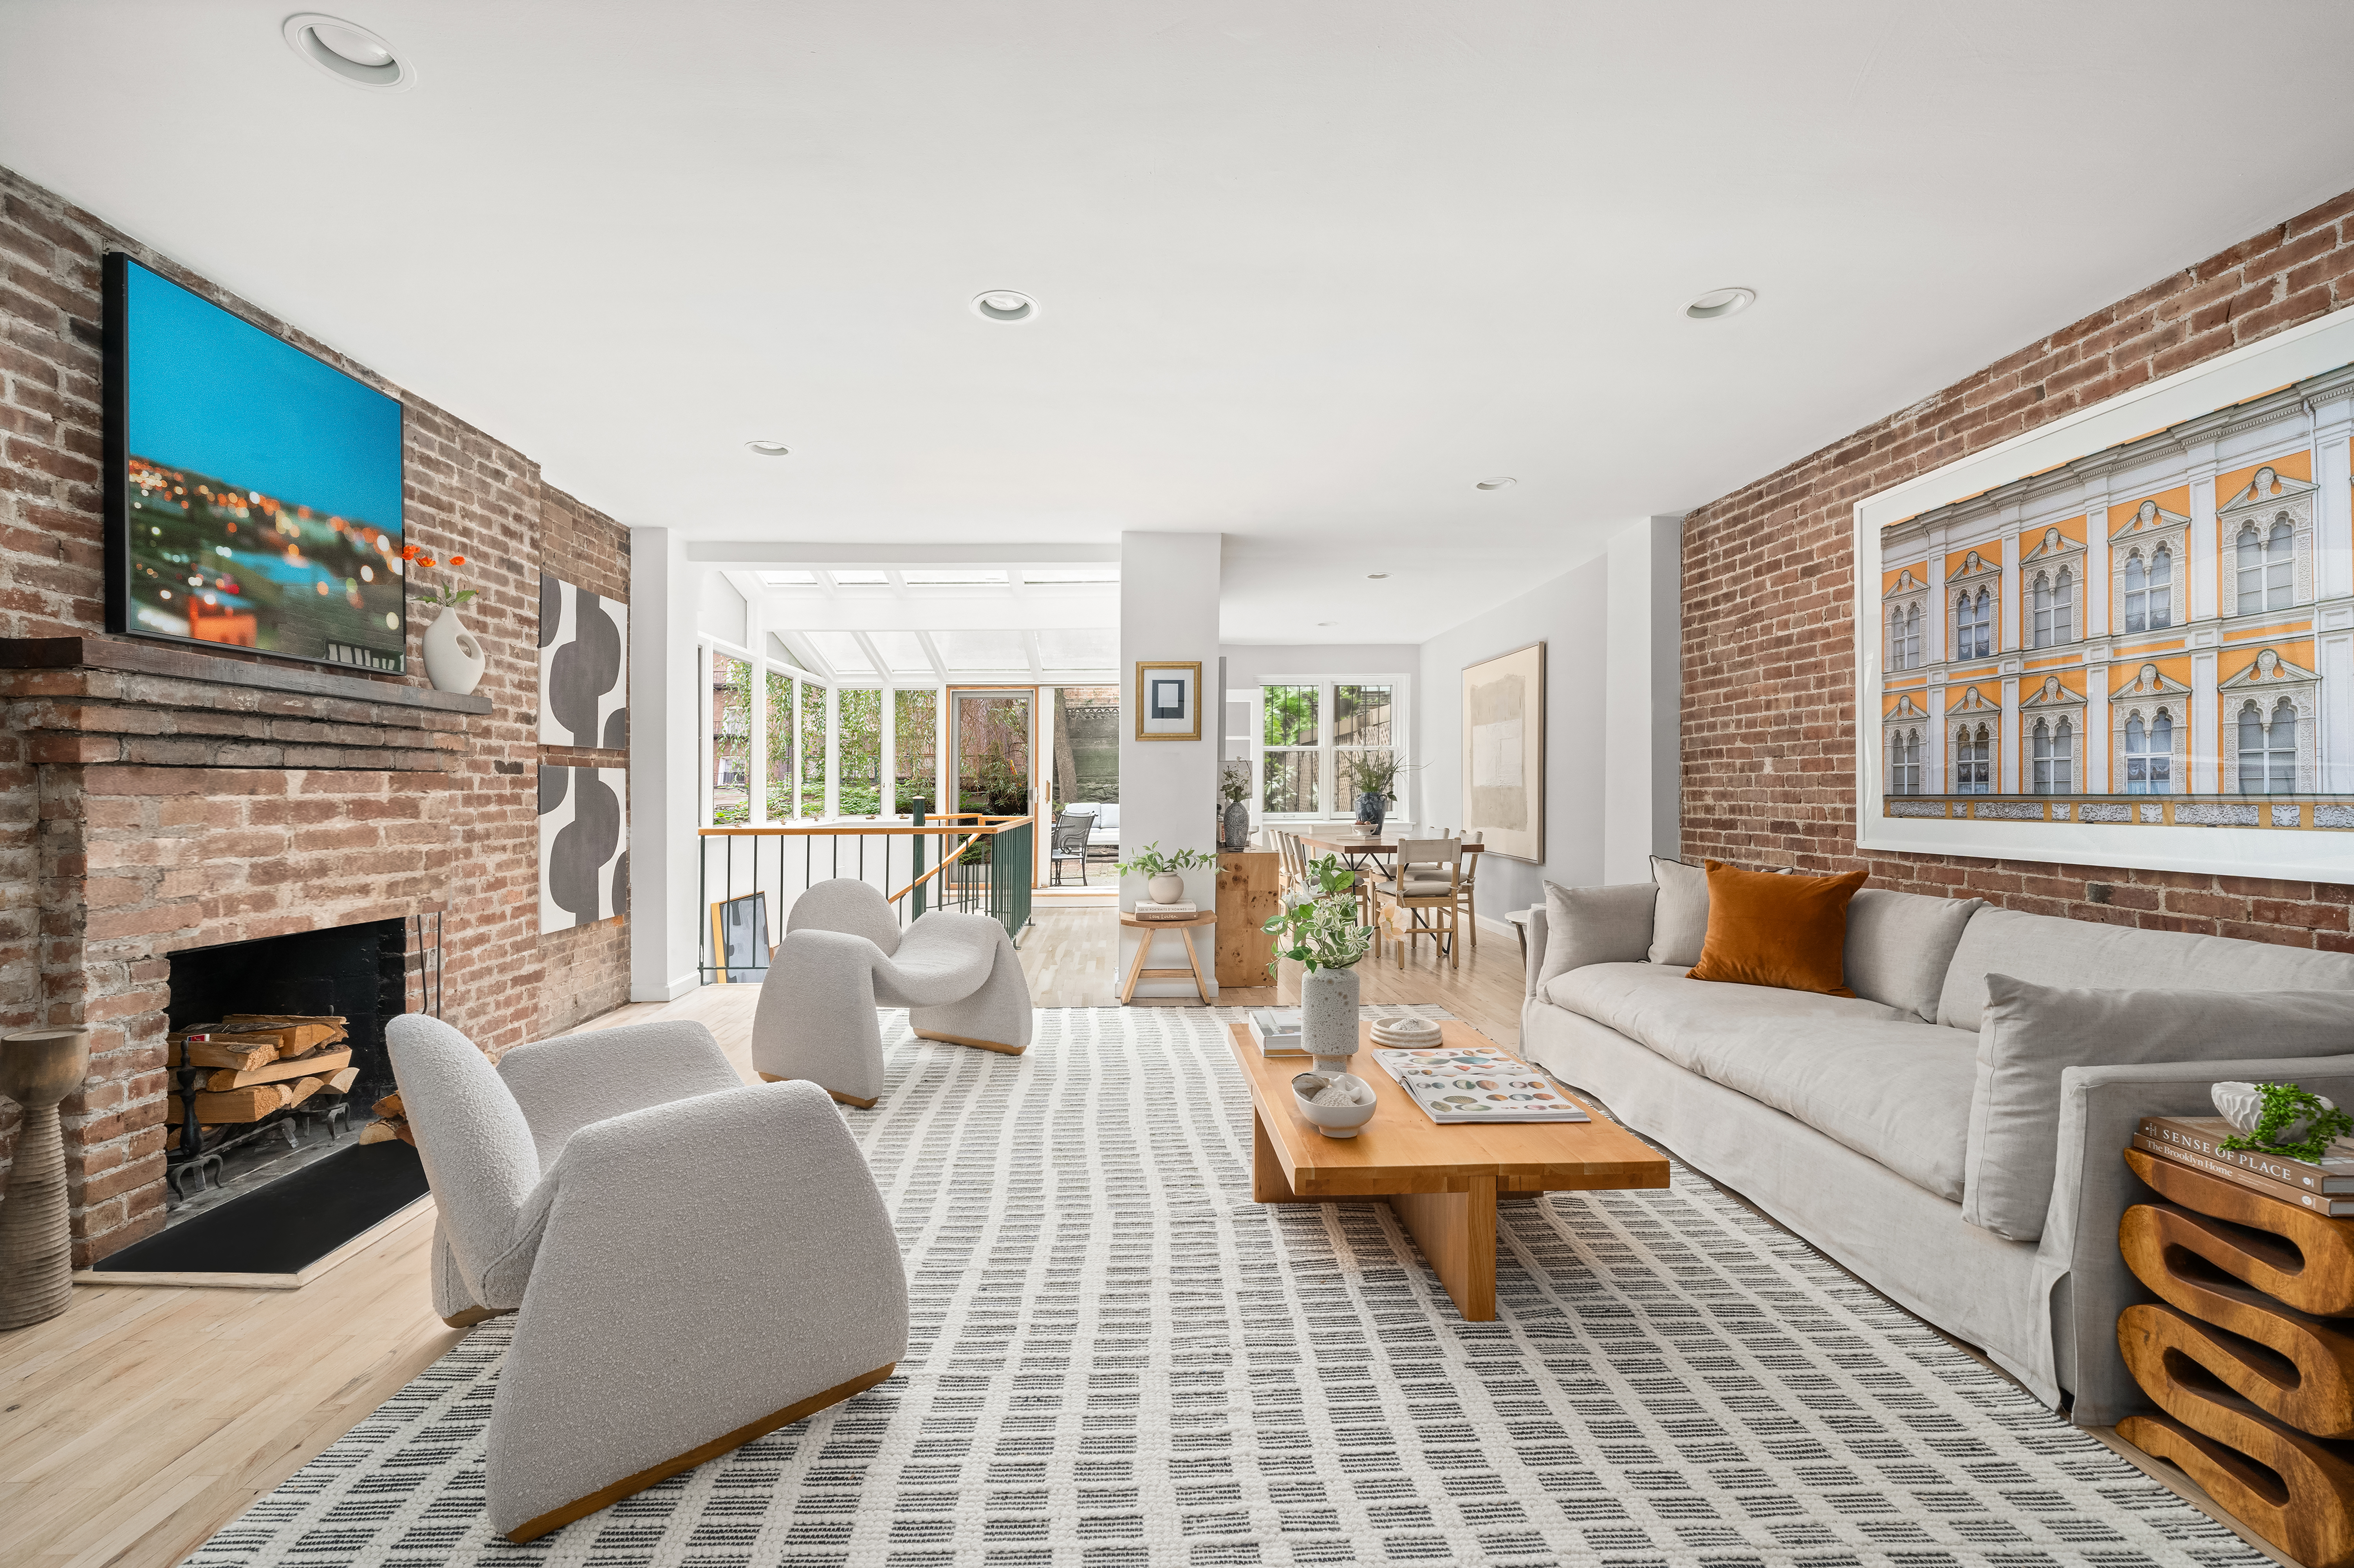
x=1078, y=785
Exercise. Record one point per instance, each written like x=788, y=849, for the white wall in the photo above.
x=1169, y=788
x=1612, y=635
x=720, y=609
x=665, y=789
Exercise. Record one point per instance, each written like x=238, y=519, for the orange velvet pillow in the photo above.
x=1768, y=929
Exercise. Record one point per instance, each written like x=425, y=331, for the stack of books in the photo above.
x=1148, y=910
x=1277, y=1030
x=2324, y=1186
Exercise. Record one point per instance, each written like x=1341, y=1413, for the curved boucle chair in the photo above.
x=844, y=955
x=692, y=1261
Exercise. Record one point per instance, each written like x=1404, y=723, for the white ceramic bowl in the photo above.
x=1332, y=1121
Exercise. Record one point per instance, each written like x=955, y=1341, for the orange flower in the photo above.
x=409, y=552
x=457, y=560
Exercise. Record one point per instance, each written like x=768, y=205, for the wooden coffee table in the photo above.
x=1443, y=1182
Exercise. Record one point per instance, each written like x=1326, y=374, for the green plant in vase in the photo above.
x=1165, y=883
x=1319, y=930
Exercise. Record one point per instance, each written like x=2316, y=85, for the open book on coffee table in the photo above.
x=1477, y=1083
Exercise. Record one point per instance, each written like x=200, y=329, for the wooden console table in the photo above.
x=2259, y=1414
x=1250, y=893
x=1183, y=931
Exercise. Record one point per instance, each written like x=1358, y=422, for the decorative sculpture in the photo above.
x=38, y=1067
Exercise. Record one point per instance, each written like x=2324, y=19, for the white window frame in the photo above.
x=1401, y=729
x=806, y=683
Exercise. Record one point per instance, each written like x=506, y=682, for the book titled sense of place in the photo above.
x=2326, y=1185
x=1478, y=1082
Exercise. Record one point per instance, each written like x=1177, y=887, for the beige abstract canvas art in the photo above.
x=1504, y=750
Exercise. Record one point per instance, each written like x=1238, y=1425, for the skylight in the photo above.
x=788, y=579
x=959, y=578
x=841, y=650
x=1089, y=648
x=985, y=651
x=858, y=579
x=903, y=651
x=1106, y=573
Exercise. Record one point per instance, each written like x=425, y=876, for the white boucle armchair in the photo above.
x=844, y=955
x=692, y=1261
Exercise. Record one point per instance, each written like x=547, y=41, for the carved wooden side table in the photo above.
x=38, y=1067
x=2250, y=1356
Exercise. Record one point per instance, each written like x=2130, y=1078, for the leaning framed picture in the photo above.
x=1504, y=752
x=2126, y=638
x=739, y=938
x=1168, y=700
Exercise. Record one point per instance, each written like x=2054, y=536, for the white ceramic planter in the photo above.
x=1166, y=889
x=454, y=661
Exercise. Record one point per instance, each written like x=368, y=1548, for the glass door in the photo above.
x=989, y=750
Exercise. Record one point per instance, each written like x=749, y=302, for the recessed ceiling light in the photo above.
x=769, y=448
x=1004, y=305
x=1328, y=623
x=1375, y=577
x=1721, y=302
x=344, y=49
x=1498, y=482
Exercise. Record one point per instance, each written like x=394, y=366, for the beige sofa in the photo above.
x=1848, y=1118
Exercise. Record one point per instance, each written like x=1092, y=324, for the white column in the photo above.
x=1168, y=611
x=2012, y=779
x=832, y=752
x=2203, y=562
x=1941, y=614
x=1642, y=699
x=665, y=798
x=2096, y=567
x=2095, y=778
x=2205, y=762
x=2333, y=506
x=1936, y=778
x=756, y=770
x=2336, y=749
x=2006, y=635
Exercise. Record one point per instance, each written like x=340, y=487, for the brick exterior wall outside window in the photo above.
x=140, y=814
x=1769, y=733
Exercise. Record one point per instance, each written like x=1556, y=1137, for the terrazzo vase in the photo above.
x=1328, y=1017
x=454, y=661
x=38, y=1067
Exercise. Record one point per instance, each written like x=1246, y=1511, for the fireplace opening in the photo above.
x=276, y=1057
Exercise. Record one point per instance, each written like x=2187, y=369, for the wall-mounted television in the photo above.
x=253, y=491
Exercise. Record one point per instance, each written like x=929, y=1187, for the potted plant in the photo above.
x=454, y=661
x=1374, y=777
x=1317, y=931
x=1165, y=884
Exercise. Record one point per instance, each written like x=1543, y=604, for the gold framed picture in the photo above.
x=1504, y=751
x=1168, y=700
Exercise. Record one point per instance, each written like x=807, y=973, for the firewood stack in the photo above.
x=260, y=1063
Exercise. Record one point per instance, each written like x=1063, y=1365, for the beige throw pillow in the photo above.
x=1680, y=921
x=2029, y=1034
x=1595, y=926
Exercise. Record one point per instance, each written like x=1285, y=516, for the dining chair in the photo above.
x=1470, y=910
x=1427, y=889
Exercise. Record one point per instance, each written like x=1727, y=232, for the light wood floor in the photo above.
x=145, y=1419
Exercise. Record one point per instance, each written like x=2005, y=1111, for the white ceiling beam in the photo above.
x=805, y=654
x=872, y=556
x=1037, y=669
x=873, y=656
x=876, y=611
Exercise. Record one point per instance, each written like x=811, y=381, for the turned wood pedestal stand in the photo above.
x=2251, y=1358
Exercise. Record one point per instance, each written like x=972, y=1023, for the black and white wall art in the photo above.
x=584, y=857
x=584, y=691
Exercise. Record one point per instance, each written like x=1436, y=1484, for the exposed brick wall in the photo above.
x=1769, y=701
x=144, y=815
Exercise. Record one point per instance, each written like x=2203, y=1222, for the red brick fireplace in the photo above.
x=155, y=799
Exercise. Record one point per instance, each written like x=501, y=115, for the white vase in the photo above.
x=454, y=661
x=1328, y=1017
x=1166, y=889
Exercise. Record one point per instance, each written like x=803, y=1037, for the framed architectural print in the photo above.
x=1504, y=752
x=584, y=846
x=2126, y=638
x=584, y=691
x=1168, y=700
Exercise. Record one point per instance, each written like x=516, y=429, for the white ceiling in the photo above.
x=912, y=625
x=1307, y=271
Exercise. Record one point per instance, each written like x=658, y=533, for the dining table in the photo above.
x=1355, y=848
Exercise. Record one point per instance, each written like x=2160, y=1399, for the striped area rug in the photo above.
x=1119, y=1361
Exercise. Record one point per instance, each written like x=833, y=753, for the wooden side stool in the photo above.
x=2257, y=1414
x=1184, y=929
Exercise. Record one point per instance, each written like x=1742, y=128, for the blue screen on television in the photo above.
x=261, y=487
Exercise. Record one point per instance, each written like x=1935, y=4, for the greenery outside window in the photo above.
x=780, y=732
x=914, y=746
x=814, y=750
x=731, y=740
x=1312, y=733
x=1291, y=780
x=858, y=744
